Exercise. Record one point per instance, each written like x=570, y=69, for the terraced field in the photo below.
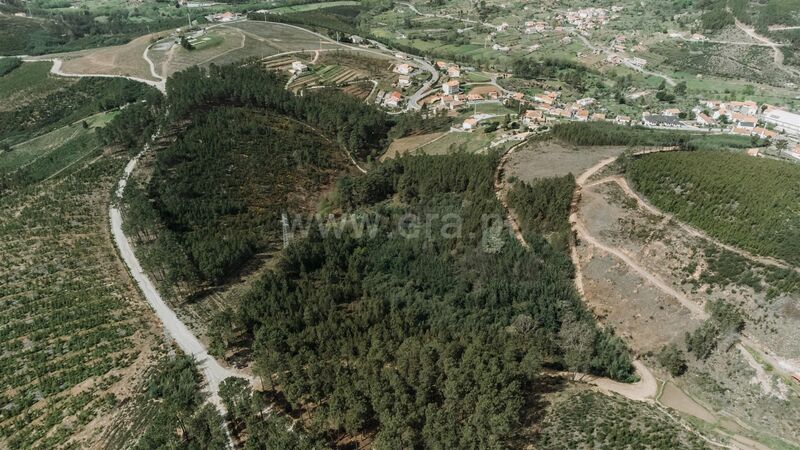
x=332, y=75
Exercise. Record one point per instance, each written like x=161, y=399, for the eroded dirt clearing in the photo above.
x=737, y=379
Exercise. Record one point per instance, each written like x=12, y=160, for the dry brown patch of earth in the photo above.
x=648, y=315
x=124, y=60
x=552, y=159
x=408, y=144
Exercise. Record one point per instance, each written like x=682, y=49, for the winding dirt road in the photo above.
x=214, y=372
x=644, y=204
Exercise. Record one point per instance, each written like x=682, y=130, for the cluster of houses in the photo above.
x=744, y=118
x=546, y=106
x=588, y=18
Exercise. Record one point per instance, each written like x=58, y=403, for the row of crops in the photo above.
x=71, y=329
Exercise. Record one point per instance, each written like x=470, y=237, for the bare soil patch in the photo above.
x=126, y=60
x=410, y=143
x=553, y=158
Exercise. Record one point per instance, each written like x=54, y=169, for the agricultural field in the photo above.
x=551, y=158
x=126, y=60
x=78, y=339
x=27, y=83
x=311, y=6
x=409, y=144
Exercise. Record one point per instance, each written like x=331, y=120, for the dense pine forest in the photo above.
x=605, y=133
x=420, y=322
x=245, y=152
x=543, y=208
x=747, y=202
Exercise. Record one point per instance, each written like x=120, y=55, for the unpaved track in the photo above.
x=56, y=70
x=647, y=387
x=785, y=366
x=186, y=340
x=777, y=54
x=644, y=204
x=501, y=191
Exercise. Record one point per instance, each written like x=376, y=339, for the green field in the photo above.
x=312, y=6
x=29, y=81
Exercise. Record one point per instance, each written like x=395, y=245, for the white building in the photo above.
x=403, y=69
x=785, y=121
x=298, y=67
x=451, y=87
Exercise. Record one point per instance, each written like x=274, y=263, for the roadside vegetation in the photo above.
x=180, y=416
x=746, y=202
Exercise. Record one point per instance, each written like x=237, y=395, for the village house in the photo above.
x=474, y=97
x=451, y=87
x=598, y=117
x=638, y=62
x=737, y=117
x=703, y=120
x=223, y=17
x=763, y=133
x=453, y=71
x=582, y=115
x=470, y=124
x=403, y=81
x=585, y=101
x=749, y=107
x=547, y=97
x=658, y=120
x=671, y=112
x=298, y=68
x=622, y=120
x=393, y=99
x=532, y=118
x=441, y=65
x=403, y=69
